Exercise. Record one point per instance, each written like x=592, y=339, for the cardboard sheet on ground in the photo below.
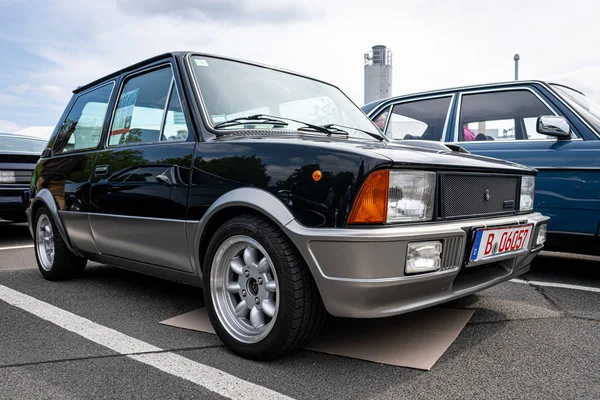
x=414, y=340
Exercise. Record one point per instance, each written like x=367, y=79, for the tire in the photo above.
x=275, y=274
x=55, y=261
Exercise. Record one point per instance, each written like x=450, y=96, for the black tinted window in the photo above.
x=420, y=119
x=502, y=115
x=83, y=126
x=140, y=111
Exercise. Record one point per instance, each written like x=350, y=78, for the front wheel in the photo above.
x=260, y=296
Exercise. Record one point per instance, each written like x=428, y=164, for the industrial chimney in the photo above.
x=378, y=73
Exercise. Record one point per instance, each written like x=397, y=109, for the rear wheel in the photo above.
x=260, y=296
x=55, y=260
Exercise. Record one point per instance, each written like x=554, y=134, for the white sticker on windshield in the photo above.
x=201, y=63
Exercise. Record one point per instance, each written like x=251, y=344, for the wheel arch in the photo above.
x=45, y=198
x=234, y=203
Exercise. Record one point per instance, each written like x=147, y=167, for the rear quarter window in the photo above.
x=82, y=128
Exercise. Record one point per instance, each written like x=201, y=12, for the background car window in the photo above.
x=17, y=144
x=141, y=107
x=175, y=125
x=83, y=126
x=505, y=116
x=421, y=119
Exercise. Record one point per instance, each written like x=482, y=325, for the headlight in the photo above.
x=411, y=196
x=527, y=191
x=7, y=177
x=394, y=196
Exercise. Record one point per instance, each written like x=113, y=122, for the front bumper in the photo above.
x=13, y=200
x=360, y=271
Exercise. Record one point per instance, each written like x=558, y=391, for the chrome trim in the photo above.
x=116, y=105
x=465, y=92
x=566, y=104
x=47, y=199
x=257, y=199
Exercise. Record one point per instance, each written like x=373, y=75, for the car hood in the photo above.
x=409, y=154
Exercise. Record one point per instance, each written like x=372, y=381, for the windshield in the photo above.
x=587, y=108
x=21, y=145
x=232, y=89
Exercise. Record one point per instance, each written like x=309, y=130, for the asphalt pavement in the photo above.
x=99, y=337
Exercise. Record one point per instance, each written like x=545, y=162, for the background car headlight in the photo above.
x=7, y=177
x=411, y=196
x=394, y=196
x=527, y=192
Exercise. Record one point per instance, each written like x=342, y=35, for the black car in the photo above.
x=277, y=195
x=18, y=156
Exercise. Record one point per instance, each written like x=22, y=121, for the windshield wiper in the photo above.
x=257, y=119
x=273, y=119
x=308, y=125
x=373, y=135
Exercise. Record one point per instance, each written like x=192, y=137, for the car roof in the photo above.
x=369, y=106
x=174, y=54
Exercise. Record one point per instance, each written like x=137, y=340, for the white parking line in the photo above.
x=210, y=378
x=27, y=246
x=558, y=285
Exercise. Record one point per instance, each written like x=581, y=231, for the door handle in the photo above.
x=101, y=170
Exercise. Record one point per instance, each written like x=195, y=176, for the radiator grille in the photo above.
x=452, y=253
x=475, y=195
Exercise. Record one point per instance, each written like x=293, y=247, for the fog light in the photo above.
x=423, y=257
x=541, y=236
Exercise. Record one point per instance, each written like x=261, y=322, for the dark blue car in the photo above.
x=551, y=127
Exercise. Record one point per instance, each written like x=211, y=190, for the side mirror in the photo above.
x=553, y=125
x=47, y=152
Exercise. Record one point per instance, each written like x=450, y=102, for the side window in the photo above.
x=508, y=115
x=83, y=126
x=141, y=107
x=420, y=119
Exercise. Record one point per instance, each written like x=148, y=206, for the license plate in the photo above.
x=494, y=241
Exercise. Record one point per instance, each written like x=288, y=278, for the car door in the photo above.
x=142, y=177
x=501, y=123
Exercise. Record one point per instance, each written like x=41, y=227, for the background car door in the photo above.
x=501, y=124
x=141, y=178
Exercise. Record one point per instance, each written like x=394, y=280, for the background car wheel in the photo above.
x=54, y=259
x=260, y=296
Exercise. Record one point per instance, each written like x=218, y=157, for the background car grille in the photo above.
x=464, y=195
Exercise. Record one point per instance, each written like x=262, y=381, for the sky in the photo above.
x=49, y=47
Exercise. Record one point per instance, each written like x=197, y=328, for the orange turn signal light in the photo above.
x=317, y=175
x=370, y=206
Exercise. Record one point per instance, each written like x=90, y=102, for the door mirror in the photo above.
x=552, y=125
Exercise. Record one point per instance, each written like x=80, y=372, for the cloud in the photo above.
x=233, y=11
x=8, y=127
